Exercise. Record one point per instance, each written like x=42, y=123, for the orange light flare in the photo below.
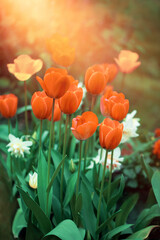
x=33, y=22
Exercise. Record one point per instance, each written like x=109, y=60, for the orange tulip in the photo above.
x=8, y=105
x=156, y=149
x=57, y=112
x=71, y=100
x=62, y=53
x=111, y=71
x=56, y=82
x=96, y=79
x=157, y=132
x=117, y=106
x=108, y=93
x=127, y=61
x=24, y=67
x=41, y=105
x=84, y=126
x=110, y=133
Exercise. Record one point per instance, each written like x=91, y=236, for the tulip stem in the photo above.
x=64, y=152
x=93, y=102
x=101, y=191
x=110, y=178
x=85, y=154
x=40, y=135
x=78, y=177
x=60, y=124
x=9, y=126
x=49, y=150
x=26, y=113
x=123, y=81
x=79, y=167
x=99, y=166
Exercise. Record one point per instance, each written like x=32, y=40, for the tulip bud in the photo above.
x=33, y=180
x=72, y=166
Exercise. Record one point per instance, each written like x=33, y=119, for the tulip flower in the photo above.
x=56, y=82
x=127, y=61
x=110, y=133
x=117, y=106
x=96, y=79
x=62, y=53
x=57, y=112
x=71, y=100
x=41, y=105
x=8, y=105
x=84, y=126
x=156, y=149
x=108, y=93
x=24, y=67
x=111, y=70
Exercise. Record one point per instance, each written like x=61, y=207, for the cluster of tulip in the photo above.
x=61, y=94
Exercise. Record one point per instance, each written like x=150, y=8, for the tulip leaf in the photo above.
x=116, y=231
x=70, y=189
x=66, y=230
x=23, y=109
x=143, y=233
x=42, y=181
x=126, y=208
x=148, y=170
x=146, y=216
x=117, y=195
x=87, y=210
x=155, y=185
x=55, y=174
x=19, y=222
x=107, y=222
x=42, y=219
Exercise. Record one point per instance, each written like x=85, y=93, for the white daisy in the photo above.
x=33, y=180
x=18, y=147
x=116, y=159
x=131, y=125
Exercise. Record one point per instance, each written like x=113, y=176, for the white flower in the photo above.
x=18, y=147
x=131, y=125
x=116, y=159
x=80, y=84
x=33, y=180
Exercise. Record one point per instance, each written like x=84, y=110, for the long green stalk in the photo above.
x=49, y=150
x=40, y=135
x=101, y=190
x=123, y=81
x=9, y=126
x=26, y=113
x=79, y=168
x=59, y=142
x=110, y=178
x=62, y=172
x=85, y=154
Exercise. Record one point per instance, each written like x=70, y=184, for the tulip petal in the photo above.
x=113, y=139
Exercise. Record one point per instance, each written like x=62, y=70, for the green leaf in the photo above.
x=148, y=170
x=89, y=218
x=55, y=174
x=117, y=230
x=42, y=181
x=78, y=205
x=155, y=185
x=146, y=216
x=126, y=208
x=66, y=230
x=107, y=222
x=42, y=219
x=22, y=109
x=70, y=189
x=117, y=195
x=19, y=222
x=142, y=234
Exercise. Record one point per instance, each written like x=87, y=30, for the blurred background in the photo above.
x=98, y=30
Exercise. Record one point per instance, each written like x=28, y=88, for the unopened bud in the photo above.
x=72, y=166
